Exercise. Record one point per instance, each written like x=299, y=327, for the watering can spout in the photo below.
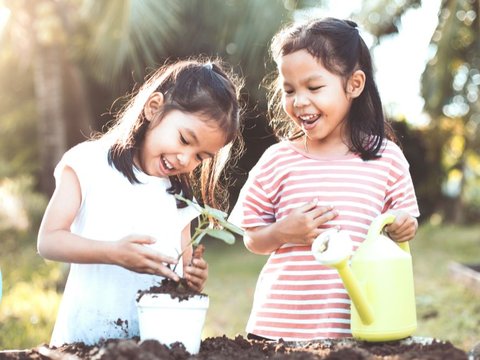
x=357, y=295
x=334, y=248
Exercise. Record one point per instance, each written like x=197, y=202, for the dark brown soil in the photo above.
x=222, y=348
x=177, y=290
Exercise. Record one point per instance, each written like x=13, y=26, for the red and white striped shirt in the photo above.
x=296, y=298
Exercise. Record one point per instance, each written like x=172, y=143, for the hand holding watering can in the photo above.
x=379, y=281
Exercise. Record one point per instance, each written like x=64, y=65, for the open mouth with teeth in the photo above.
x=166, y=164
x=309, y=121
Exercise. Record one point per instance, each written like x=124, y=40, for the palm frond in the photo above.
x=129, y=32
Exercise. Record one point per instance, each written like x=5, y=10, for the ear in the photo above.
x=153, y=105
x=356, y=84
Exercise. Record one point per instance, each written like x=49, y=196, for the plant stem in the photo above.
x=198, y=231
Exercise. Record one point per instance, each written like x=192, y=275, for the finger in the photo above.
x=309, y=206
x=320, y=210
x=396, y=225
x=325, y=217
x=200, y=264
x=198, y=286
x=403, y=234
x=142, y=239
x=158, y=257
x=165, y=259
x=403, y=238
x=192, y=272
x=195, y=283
x=407, y=234
x=196, y=280
x=162, y=270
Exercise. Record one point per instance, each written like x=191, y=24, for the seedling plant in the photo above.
x=224, y=230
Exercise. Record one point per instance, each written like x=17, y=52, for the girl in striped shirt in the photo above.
x=337, y=166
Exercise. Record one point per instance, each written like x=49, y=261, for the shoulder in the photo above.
x=84, y=158
x=393, y=155
x=87, y=151
x=390, y=146
x=391, y=150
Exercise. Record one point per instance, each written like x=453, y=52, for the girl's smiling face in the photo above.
x=317, y=100
x=177, y=143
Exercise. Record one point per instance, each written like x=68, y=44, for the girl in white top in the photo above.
x=113, y=215
x=337, y=168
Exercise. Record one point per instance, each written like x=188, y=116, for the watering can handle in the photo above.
x=377, y=226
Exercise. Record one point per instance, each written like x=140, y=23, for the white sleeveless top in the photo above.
x=99, y=300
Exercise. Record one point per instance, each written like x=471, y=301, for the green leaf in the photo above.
x=226, y=236
x=185, y=200
x=197, y=239
x=215, y=213
x=231, y=227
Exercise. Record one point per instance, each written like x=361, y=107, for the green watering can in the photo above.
x=379, y=281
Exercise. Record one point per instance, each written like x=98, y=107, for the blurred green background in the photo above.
x=63, y=63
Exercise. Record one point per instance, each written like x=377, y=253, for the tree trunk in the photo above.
x=77, y=110
x=51, y=121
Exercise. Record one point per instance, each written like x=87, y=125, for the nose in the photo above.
x=186, y=160
x=300, y=100
x=183, y=159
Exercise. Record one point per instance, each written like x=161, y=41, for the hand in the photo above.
x=403, y=228
x=131, y=253
x=196, y=274
x=302, y=225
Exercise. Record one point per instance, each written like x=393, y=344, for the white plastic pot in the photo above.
x=171, y=320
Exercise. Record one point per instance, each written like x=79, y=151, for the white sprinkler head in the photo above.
x=332, y=247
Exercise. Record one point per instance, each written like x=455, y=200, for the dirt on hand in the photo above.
x=223, y=348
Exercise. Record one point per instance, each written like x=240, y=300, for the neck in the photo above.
x=322, y=147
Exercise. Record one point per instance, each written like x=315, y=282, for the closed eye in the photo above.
x=314, y=88
x=183, y=140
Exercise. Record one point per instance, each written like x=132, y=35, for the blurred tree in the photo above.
x=48, y=36
x=382, y=18
x=450, y=87
x=37, y=34
x=80, y=49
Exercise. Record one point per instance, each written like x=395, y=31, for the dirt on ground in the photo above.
x=223, y=348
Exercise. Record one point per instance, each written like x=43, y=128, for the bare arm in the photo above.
x=56, y=242
x=301, y=227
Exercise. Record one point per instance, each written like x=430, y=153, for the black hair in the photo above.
x=204, y=87
x=339, y=47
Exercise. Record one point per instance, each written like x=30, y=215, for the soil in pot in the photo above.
x=177, y=290
x=171, y=313
x=220, y=348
